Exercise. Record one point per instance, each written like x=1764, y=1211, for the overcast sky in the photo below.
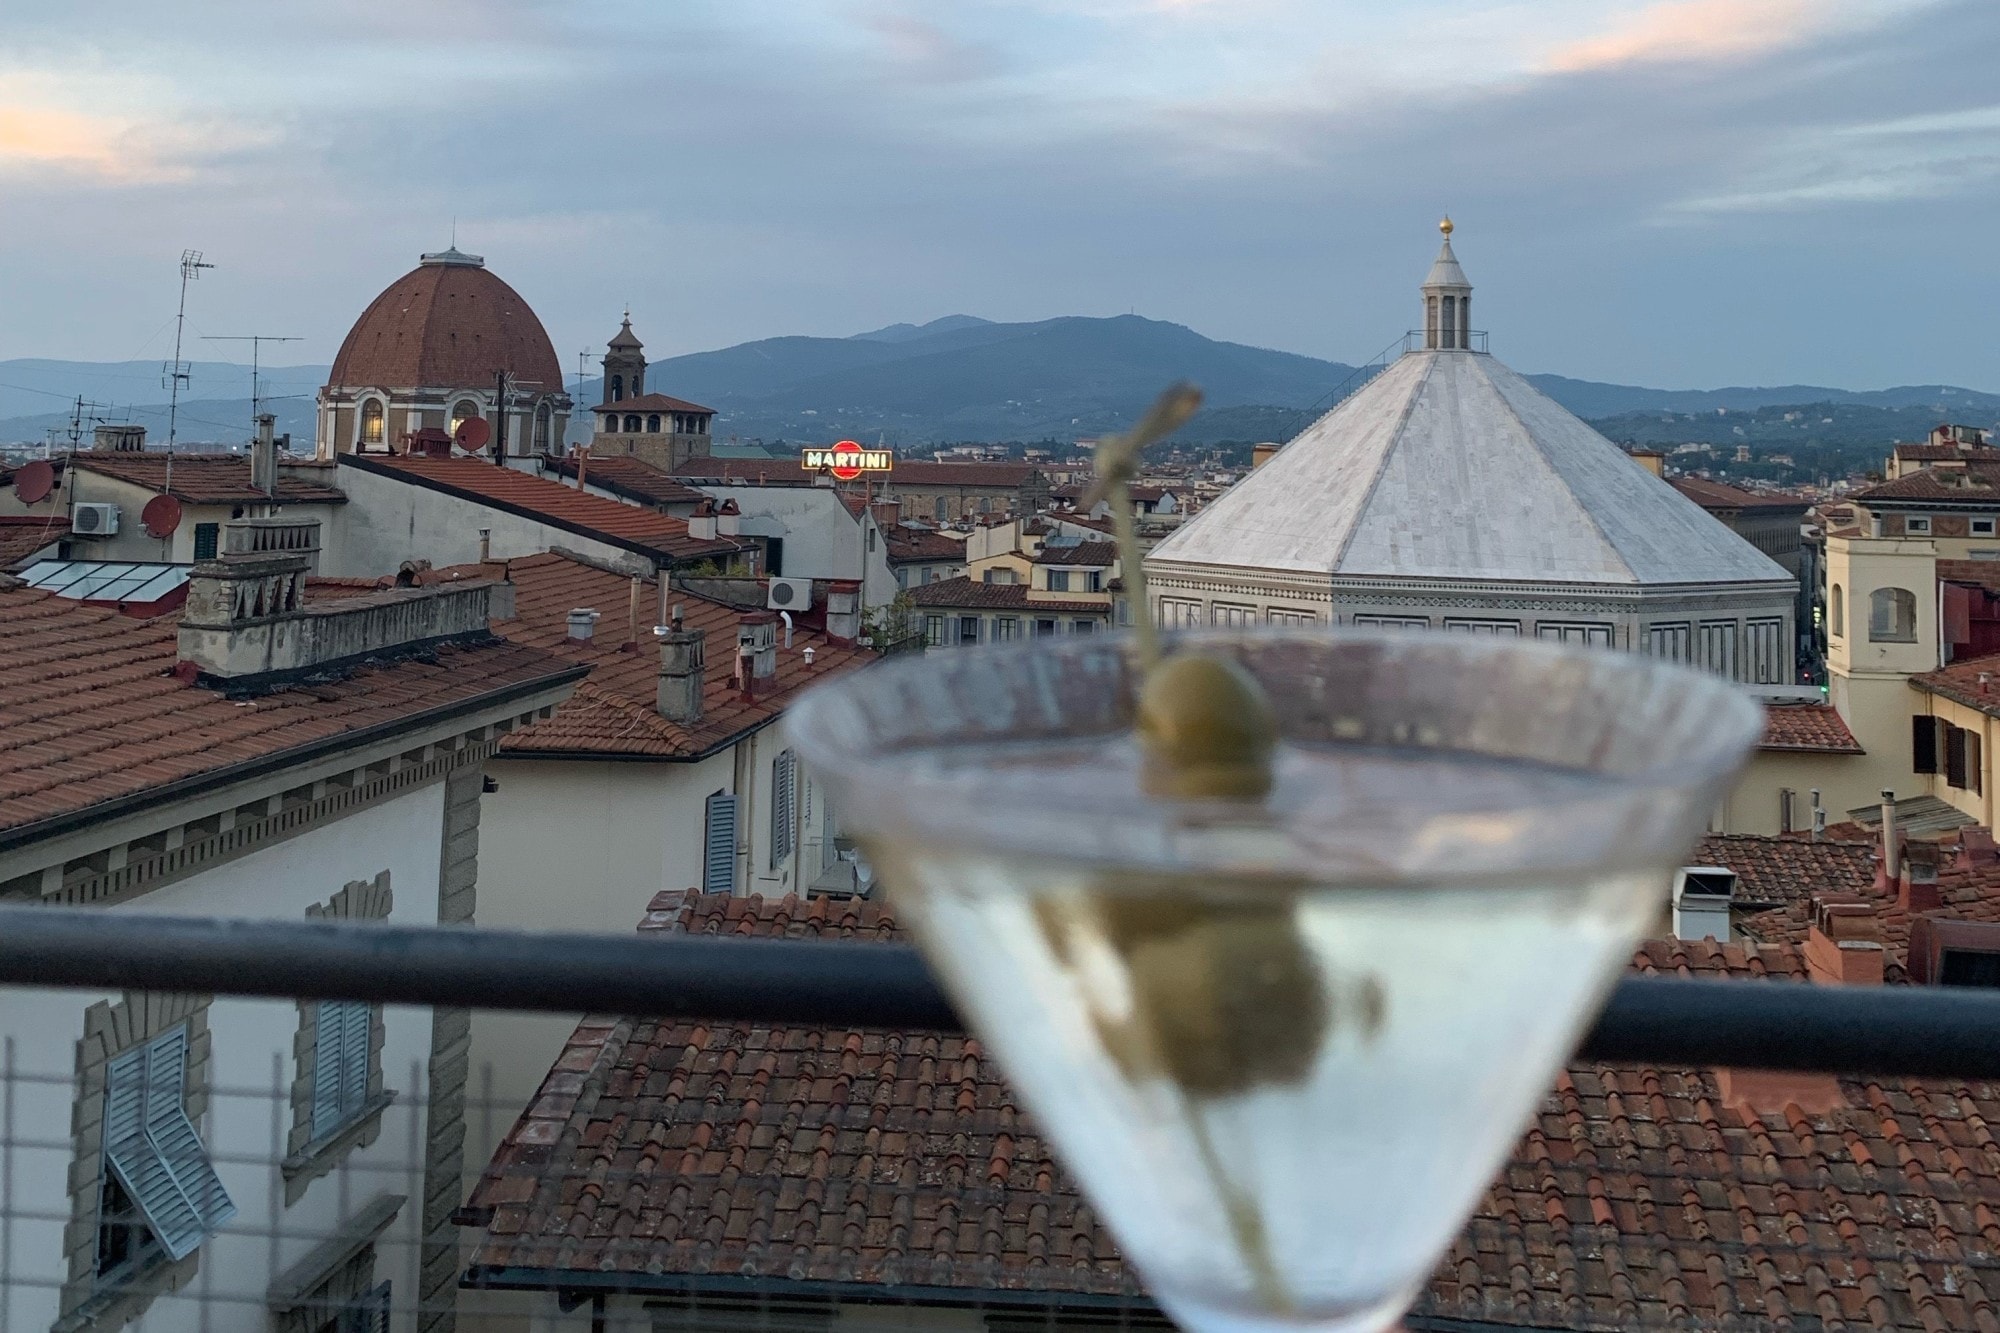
x=1666, y=192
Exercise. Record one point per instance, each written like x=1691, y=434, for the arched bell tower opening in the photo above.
x=1447, y=301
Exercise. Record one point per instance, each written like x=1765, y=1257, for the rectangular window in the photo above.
x=1982, y=527
x=1917, y=525
x=1767, y=652
x=342, y=1034
x=1954, y=756
x=1097, y=580
x=1083, y=627
x=1718, y=647
x=968, y=629
x=718, y=862
x=1975, y=769
x=1498, y=628
x=1291, y=619
x=1059, y=580
x=784, y=795
x=1176, y=612
x=1220, y=613
x=1670, y=641
x=205, y=535
x=1045, y=627
x=1391, y=622
x=933, y=630
x=1006, y=627
x=153, y=1151
x=1923, y=745
x=1590, y=636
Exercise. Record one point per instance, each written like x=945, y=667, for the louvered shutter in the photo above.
x=1923, y=745
x=784, y=790
x=369, y=1313
x=329, y=1057
x=718, y=872
x=359, y=1019
x=163, y=1165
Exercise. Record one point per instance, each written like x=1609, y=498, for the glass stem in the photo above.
x=1246, y=1223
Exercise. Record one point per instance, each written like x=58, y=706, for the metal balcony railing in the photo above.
x=1900, y=1030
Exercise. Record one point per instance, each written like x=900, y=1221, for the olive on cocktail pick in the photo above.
x=1206, y=729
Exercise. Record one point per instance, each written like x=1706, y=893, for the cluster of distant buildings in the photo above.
x=445, y=669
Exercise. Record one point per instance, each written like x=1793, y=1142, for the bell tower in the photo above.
x=1447, y=301
x=624, y=364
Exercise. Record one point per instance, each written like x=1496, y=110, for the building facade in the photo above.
x=663, y=430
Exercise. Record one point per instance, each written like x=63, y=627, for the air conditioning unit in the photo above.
x=790, y=594
x=93, y=520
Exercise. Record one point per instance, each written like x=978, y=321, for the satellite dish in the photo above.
x=34, y=482
x=472, y=434
x=161, y=516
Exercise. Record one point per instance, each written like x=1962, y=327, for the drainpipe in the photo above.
x=1892, y=861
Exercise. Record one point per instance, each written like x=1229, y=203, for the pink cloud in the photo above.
x=1693, y=30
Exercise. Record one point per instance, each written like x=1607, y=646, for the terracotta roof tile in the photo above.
x=970, y=594
x=654, y=402
x=909, y=472
x=1789, y=868
x=1938, y=453
x=918, y=545
x=642, y=530
x=635, y=478
x=1104, y=554
x=1637, y=1198
x=447, y=326
x=1973, y=485
x=90, y=712
x=22, y=535
x=1720, y=495
x=616, y=710
x=206, y=479
x=1816, y=727
x=1960, y=683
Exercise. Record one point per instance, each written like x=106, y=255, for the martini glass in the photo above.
x=1283, y=1044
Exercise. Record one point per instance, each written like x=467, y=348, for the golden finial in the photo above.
x=1445, y=226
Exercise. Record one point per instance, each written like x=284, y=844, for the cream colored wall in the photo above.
x=1845, y=781
x=1978, y=804
x=1868, y=681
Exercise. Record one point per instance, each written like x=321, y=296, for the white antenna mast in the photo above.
x=177, y=375
x=256, y=341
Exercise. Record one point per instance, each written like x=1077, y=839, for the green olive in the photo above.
x=1207, y=729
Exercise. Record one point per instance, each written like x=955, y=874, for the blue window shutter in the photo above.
x=718, y=874
x=784, y=788
x=164, y=1166
x=329, y=1059
x=360, y=1019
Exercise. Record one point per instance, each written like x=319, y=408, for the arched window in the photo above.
x=610, y=423
x=653, y=424
x=943, y=509
x=371, y=424
x=1836, y=612
x=631, y=423
x=544, y=419
x=1892, y=616
x=462, y=411
x=617, y=388
x=1450, y=322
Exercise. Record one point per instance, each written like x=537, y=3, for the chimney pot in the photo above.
x=1918, y=890
x=485, y=545
x=683, y=671
x=1844, y=945
x=264, y=456
x=582, y=625
x=1892, y=865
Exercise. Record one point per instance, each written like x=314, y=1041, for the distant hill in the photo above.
x=963, y=378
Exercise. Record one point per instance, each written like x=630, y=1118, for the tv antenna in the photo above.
x=83, y=411
x=256, y=341
x=191, y=266
x=582, y=369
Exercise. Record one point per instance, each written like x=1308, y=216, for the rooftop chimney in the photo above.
x=683, y=656
x=1892, y=863
x=1261, y=454
x=729, y=519
x=1976, y=847
x=1844, y=945
x=1702, y=897
x=1918, y=890
x=757, y=635
x=264, y=456
x=582, y=625
x=701, y=523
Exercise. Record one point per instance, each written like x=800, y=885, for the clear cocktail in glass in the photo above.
x=1283, y=1043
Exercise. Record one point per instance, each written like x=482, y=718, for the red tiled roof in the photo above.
x=963, y=592
x=1981, y=573
x=1937, y=453
x=1816, y=727
x=90, y=712
x=22, y=535
x=616, y=711
x=638, y=529
x=1637, y=1198
x=446, y=326
x=654, y=402
x=1959, y=683
x=205, y=479
x=1973, y=485
x=911, y=472
x=762, y=471
x=624, y=474
x=1720, y=495
x=914, y=545
x=1101, y=554
x=1788, y=868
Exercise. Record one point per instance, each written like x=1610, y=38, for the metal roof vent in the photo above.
x=1702, y=898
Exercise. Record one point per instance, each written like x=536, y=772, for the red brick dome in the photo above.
x=449, y=323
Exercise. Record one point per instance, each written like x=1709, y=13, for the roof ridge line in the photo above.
x=1382, y=462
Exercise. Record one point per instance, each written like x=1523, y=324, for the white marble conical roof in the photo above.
x=1448, y=465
